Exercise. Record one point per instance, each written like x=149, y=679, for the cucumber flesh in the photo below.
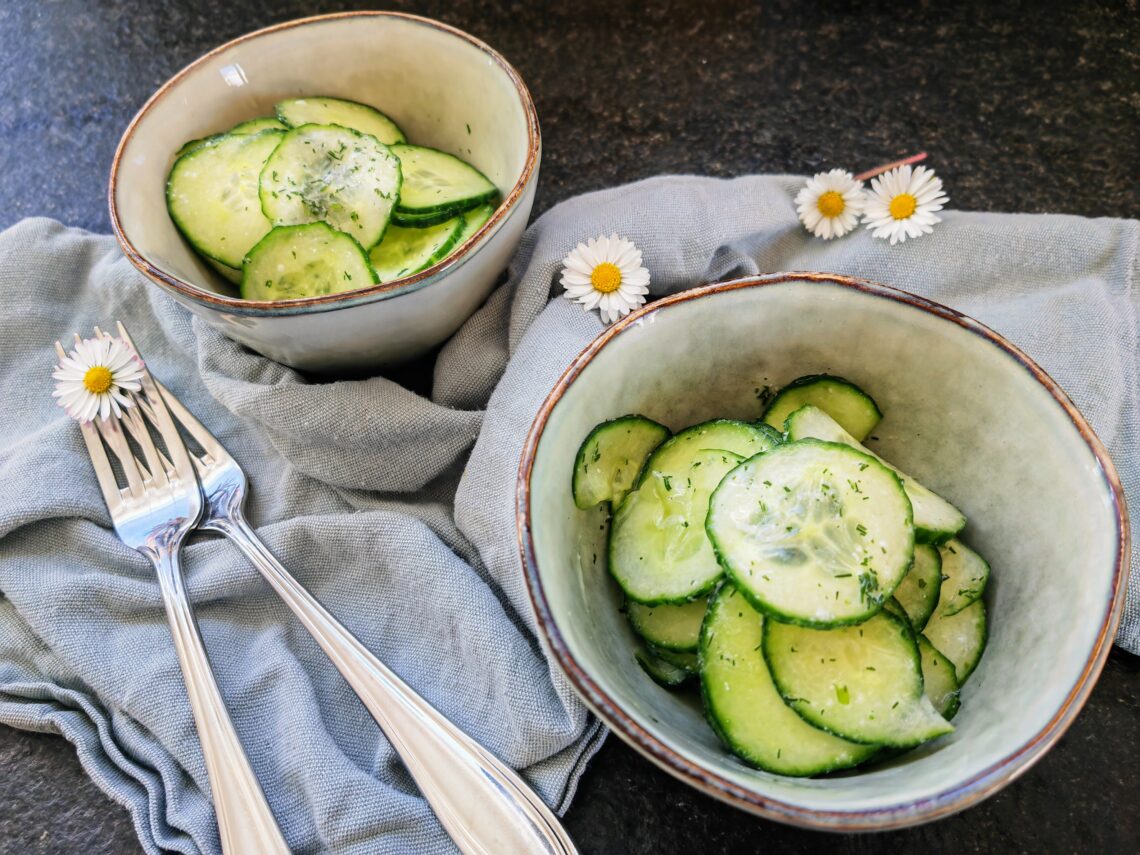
x=326, y=173
x=295, y=112
x=742, y=703
x=862, y=682
x=850, y=406
x=304, y=261
x=960, y=637
x=233, y=274
x=611, y=456
x=938, y=679
x=918, y=591
x=670, y=627
x=435, y=181
x=813, y=532
x=935, y=519
x=403, y=252
x=675, y=455
x=658, y=551
x=254, y=126
x=212, y=195
x=474, y=219
x=665, y=674
x=964, y=577
x=686, y=660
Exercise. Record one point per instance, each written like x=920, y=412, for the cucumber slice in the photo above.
x=435, y=181
x=403, y=252
x=683, y=659
x=664, y=673
x=474, y=219
x=675, y=455
x=743, y=706
x=776, y=436
x=861, y=682
x=854, y=409
x=960, y=637
x=255, y=126
x=326, y=173
x=295, y=112
x=611, y=456
x=212, y=195
x=233, y=274
x=935, y=519
x=304, y=261
x=667, y=627
x=658, y=551
x=917, y=593
x=964, y=577
x=813, y=532
x=938, y=679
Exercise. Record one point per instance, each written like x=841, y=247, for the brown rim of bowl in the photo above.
x=952, y=800
x=362, y=295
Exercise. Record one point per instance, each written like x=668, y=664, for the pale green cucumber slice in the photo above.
x=255, y=126
x=813, y=532
x=917, y=593
x=403, y=252
x=474, y=219
x=938, y=679
x=935, y=519
x=233, y=274
x=437, y=181
x=610, y=458
x=683, y=659
x=295, y=112
x=861, y=682
x=964, y=577
x=960, y=637
x=850, y=406
x=663, y=673
x=326, y=173
x=670, y=627
x=675, y=455
x=744, y=707
x=212, y=195
x=658, y=551
x=308, y=260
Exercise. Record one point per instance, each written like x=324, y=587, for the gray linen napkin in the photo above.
x=398, y=511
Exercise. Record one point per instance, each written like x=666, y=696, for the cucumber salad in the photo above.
x=821, y=597
x=325, y=196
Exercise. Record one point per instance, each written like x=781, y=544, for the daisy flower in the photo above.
x=94, y=378
x=830, y=203
x=606, y=273
x=902, y=203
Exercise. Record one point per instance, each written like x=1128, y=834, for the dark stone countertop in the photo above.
x=1030, y=108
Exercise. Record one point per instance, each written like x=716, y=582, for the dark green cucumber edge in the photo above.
x=809, y=379
x=442, y=215
x=582, y=448
x=465, y=205
x=281, y=119
x=776, y=613
x=648, y=662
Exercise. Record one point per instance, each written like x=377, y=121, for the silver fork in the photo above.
x=485, y=807
x=160, y=505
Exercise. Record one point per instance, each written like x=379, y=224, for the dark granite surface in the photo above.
x=1030, y=108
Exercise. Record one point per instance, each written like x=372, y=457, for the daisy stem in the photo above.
x=887, y=167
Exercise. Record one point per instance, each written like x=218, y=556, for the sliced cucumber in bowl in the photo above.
x=295, y=112
x=850, y=406
x=403, y=252
x=308, y=260
x=436, y=182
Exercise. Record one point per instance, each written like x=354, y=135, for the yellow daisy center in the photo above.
x=606, y=277
x=98, y=380
x=831, y=204
x=902, y=206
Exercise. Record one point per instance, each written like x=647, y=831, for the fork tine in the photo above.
x=112, y=433
x=156, y=461
x=103, y=471
x=182, y=415
x=175, y=446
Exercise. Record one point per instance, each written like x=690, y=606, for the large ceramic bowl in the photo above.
x=445, y=88
x=966, y=413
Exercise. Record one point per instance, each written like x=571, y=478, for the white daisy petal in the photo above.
x=112, y=356
x=827, y=222
x=616, y=293
x=926, y=197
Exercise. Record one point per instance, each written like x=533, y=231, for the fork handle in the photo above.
x=484, y=806
x=245, y=822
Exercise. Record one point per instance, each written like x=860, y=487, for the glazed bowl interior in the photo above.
x=962, y=414
x=442, y=88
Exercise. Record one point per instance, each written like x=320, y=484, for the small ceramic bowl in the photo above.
x=967, y=414
x=445, y=88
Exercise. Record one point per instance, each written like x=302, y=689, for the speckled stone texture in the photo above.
x=1022, y=108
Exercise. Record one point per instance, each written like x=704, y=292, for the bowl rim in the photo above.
x=372, y=293
x=954, y=798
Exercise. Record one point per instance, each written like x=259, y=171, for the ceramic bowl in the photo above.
x=967, y=414
x=445, y=88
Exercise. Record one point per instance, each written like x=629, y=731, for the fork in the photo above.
x=484, y=806
x=160, y=505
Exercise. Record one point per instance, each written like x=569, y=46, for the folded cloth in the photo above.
x=397, y=511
